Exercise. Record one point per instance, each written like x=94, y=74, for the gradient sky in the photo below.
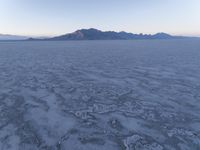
x=54, y=17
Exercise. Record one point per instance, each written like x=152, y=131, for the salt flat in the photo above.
x=100, y=95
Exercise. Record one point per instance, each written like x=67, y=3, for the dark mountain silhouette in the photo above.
x=94, y=34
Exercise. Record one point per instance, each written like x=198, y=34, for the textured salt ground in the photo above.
x=100, y=95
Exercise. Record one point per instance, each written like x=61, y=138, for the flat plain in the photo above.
x=100, y=95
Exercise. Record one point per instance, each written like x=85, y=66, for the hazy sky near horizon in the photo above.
x=54, y=17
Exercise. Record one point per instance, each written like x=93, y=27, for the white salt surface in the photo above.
x=100, y=95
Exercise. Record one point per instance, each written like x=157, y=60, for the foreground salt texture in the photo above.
x=100, y=95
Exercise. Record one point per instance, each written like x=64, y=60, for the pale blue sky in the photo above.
x=54, y=17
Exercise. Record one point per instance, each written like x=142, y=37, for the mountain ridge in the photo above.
x=95, y=34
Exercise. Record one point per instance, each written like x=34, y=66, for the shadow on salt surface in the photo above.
x=9, y=140
x=89, y=143
x=50, y=124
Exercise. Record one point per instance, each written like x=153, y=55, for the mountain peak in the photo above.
x=162, y=35
x=95, y=34
x=88, y=30
x=91, y=29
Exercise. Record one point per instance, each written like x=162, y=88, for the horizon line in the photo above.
x=58, y=34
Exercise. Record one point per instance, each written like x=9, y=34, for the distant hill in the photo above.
x=94, y=34
x=12, y=37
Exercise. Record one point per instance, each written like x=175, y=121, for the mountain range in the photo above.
x=12, y=37
x=94, y=34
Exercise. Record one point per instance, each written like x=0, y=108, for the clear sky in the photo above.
x=54, y=17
